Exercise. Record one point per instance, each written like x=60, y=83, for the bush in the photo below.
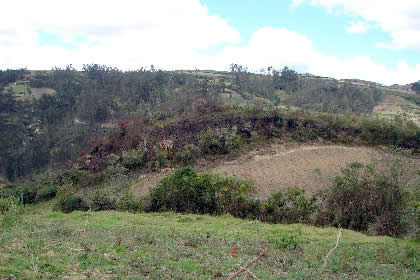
x=187, y=155
x=366, y=200
x=219, y=141
x=133, y=159
x=26, y=191
x=187, y=192
x=46, y=192
x=162, y=158
x=9, y=211
x=67, y=199
x=128, y=202
x=72, y=203
x=101, y=199
x=290, y=207
x=114, y=171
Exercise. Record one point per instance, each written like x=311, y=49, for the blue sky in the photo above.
x=377, y=40
x=327, y=30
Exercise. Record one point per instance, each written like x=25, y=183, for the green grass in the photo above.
x=118, y=245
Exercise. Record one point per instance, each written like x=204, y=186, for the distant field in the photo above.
x=37, y=92
x=392, y=106
x=24, y=91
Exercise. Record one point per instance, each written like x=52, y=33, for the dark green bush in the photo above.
x=162, y=158
x=9, y=211
x=187, y=155
x=128, y=202
x=46, y=192
x=100, y=199
x=219, y=141
x=289, y=207
x=187, y=192
x=71, y=203
x=115, y=171
x=5, y=203
x=68, y=200
x=365, y=200
x=133, y=159
x=26, y=191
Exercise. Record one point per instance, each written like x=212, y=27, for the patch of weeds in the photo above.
x=318, y=172
x=10, y=210
x=289, y=241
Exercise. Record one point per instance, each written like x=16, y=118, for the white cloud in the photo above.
x=358, y=27
x=399, y=18
x=127, y=33
x=169, y=34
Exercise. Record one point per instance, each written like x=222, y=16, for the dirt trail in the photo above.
x=279, y=167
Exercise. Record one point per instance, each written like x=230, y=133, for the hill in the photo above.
x=48, y=117
x=269, y=148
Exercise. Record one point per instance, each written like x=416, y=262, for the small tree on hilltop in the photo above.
x=416, y=87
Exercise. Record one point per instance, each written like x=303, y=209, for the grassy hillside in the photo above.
x=92, y=141
x=115, y=245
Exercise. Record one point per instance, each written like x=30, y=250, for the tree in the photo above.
x=416, y=87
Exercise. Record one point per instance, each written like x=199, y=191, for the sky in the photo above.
x=374, y=40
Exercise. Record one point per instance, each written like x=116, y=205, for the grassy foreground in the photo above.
x=117, y=245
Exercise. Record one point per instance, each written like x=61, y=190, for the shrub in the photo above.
x=133, y=159
x=366, y=200
x=187, y=155
x=114, y=171
x=9, y=211
x=128, y=202
x=219, y=141
x=5, y=203
x=289, y=207
x=290, y=241
x=46, y=192
x=26, y=191
x=67, y=199
x=71, y=203
x=186, y=191
x=162, y=158
x=100, y=199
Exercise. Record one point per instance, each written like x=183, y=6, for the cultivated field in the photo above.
x=392, y=106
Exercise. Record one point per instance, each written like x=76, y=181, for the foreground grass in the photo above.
x=117, y=245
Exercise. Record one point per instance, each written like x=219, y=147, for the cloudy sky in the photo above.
x=376, y=40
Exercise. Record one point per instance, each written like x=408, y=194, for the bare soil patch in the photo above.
x=281, y=166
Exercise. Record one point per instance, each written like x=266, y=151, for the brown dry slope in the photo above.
x=307, y=167
x=289, y=165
